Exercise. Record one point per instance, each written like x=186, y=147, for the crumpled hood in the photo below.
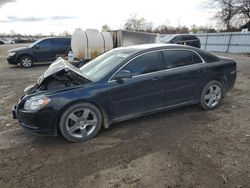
x=57, y=66
x=60, y=74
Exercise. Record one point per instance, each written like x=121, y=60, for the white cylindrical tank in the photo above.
x=90, y=43
x=79, y=44
x=108, y=41
x=95, y=43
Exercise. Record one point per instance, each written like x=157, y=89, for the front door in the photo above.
x=43, y=51
x=143, y=92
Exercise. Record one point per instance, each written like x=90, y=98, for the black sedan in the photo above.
x=121, y=84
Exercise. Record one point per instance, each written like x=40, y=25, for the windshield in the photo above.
x=35, y=43
x=104, y=64
x=166, y=39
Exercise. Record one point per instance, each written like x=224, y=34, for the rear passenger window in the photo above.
x=179, y=58
x=196, y=58
x=146, y=63
x=195, y=38
x=61, y=42
x=64, y=42
x=186, y=38
x=208, y=57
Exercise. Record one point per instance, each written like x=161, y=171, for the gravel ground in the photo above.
x=186, y=147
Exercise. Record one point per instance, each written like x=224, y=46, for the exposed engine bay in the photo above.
x=59, y=74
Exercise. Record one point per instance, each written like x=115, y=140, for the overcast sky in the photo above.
x=46, y=16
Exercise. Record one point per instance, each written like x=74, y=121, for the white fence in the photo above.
x=234, y=42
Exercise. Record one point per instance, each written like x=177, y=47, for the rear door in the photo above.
x=61, y=47
x=143, y=92
x=186, y=40
x=183, y=76
x=195, y=42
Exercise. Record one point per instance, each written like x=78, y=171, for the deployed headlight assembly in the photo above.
x=11, y=54
x=36, y=103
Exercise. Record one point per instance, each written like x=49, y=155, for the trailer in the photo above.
x=91, y=43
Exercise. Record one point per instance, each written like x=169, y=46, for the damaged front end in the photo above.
x=59, y=74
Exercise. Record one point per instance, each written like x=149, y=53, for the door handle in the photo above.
x=156, y=78
x=201, y=70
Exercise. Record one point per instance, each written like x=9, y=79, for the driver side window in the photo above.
x=146, y=63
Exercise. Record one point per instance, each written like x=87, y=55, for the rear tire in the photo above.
x=26, y=61
x=80, y=122
x=211, y=95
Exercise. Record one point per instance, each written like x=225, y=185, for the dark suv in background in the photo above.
x=190, y=40
x=43, y=50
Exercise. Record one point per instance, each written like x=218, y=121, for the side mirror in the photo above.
x=123, y=74
x=37, y=46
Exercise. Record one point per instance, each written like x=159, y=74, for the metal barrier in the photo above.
x=233, y=42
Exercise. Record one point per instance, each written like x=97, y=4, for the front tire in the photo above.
x=211, y=95
x=26, y=61
x=80, y=122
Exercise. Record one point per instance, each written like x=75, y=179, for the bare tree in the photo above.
x=134, y=23
x=148, y=27
x=231, y=13
x=202, y=29
x=65, y=34
x=227, y=11
x=52, y=34
x=243, y=8
x=106, y=28
x=165, y=29
x=12, y=32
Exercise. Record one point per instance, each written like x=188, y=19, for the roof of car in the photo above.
x=175, y=35
x=184, y=34
x=154, y=46
x=55, y=38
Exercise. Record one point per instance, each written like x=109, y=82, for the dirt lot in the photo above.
x=187, y=147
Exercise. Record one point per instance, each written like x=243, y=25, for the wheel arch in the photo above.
x=222, y=81
x=105, y=117
x=204, y=89
x=25, y=54
x=219, y=77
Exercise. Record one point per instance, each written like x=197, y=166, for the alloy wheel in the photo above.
x=81, y=123
x=26, y=62
x=212, y=95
